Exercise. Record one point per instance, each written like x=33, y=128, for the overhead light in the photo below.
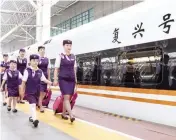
x=54, y=27
x=57, y=14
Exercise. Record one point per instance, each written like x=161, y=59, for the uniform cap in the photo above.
x=34, y=56
x=22, y=50
x=13, y=61
x=67, y=42
x=5, y=55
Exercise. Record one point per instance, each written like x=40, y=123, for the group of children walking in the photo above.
x=19, y=80
x=29, y=78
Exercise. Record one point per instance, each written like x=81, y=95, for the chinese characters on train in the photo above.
x=166, y=22
x=139, y=28
x=116, y=36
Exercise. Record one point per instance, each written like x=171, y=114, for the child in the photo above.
x=3, y=87
x=12, y=76
x=44, y=65
x=31, y=80
x=21, y=66
x=5, y=63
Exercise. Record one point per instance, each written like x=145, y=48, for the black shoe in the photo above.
x=64, y=117
x=35, y=123
x=42, y=111
x=30, y=119
x=72, y=120
x=4, y=104
x=9, y=108
x=15, y=110
x=21, y=102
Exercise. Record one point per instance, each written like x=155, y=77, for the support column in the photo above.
x=46, y=20
x=43, y=18
x=39, y=21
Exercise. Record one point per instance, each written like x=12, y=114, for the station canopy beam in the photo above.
x=33, y=4
x=21, y=36
x=17, y=26
x=21, y=25
x=27, y=33
x=12, y=12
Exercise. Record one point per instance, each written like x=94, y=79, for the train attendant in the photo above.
x=12, y=76
x=44, y=65
x=21, y=66
x=3, y=87
x=66, y=66
x=31, y=85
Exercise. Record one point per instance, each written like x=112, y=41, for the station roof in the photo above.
x=18, y=17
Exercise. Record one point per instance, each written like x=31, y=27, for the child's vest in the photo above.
x=33, y=81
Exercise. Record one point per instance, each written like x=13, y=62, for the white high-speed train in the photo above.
x=120, y=60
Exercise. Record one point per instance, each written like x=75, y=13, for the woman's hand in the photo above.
x=48, y=87
x=49, y=79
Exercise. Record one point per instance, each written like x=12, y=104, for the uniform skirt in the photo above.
x=32, y=98
x=20, y=81
x=43, y=87
x=13, y=92
x=66, y=87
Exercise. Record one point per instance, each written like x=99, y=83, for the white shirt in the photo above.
x=5, y=76
x=58, y=61
x=49, y=64
x=25, y=75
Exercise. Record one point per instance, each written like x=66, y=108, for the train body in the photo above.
x=126, y=61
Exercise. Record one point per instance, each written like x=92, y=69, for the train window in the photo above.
x=99, y=68
x=139, y=66
x=172, y=72
x=108, y=66
x=88, y=71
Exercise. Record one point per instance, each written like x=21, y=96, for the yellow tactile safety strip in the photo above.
x=79, y=130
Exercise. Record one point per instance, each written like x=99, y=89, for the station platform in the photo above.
x=89, y=125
